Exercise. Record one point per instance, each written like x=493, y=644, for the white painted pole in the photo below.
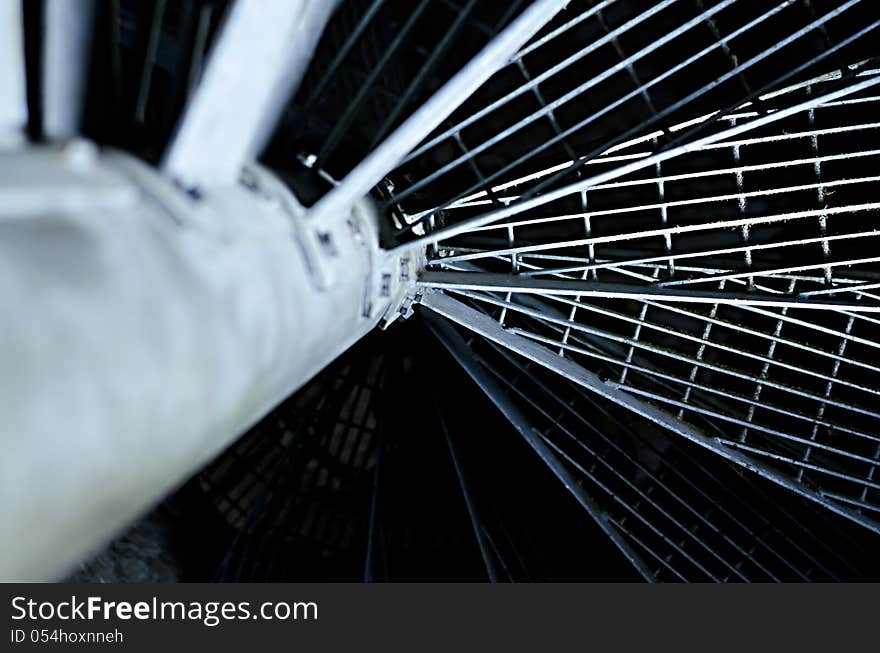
x=140, y=333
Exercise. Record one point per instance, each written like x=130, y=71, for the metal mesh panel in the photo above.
x=701, y=234
x=783, y=215
x=678, y=515
x=612, y=73
x=754, y=211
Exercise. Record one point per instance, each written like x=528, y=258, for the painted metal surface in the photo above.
x=143, y=331
x=251, y=73
x=66, y=56
x=13, y=98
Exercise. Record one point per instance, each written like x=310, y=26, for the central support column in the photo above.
x=142, y=330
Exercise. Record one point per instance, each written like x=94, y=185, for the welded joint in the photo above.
x=391, y=280
x=398, y=284
x=258, y=188
x=316, y=245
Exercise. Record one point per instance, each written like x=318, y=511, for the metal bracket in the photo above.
x=399, y=276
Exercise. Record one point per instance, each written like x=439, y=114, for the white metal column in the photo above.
x=142, y=331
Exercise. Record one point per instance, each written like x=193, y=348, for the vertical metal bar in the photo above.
x=200, y=46
x=327, y=76
x=114, y=67
x=745, y=231
x=67, y=31
x=820, y=412
x=422, y=122
x=476, y=523
x=701, y=351
x=257, y=62
x=550, y=113
x=591, y=274
x=428, y=67
x=820, y=191
x=13, y=94
x=375, y=536
x=341, y=125
x=765, y=370
x=149, y=62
